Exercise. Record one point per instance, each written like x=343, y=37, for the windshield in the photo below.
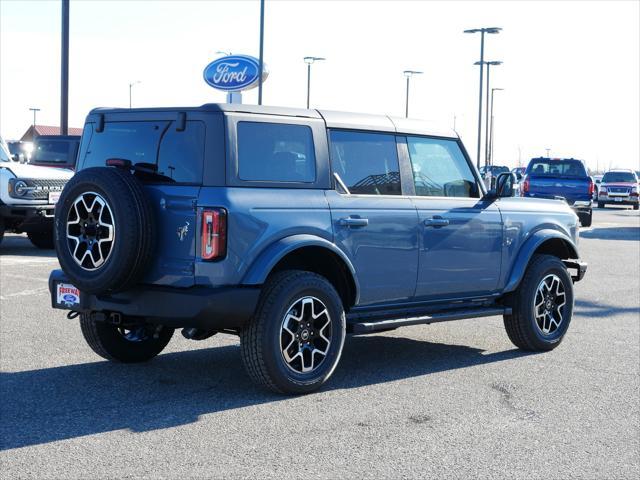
x=624, y=177
x=54, y=152
x=556, y=168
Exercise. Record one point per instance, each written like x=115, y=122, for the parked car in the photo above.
x=519, y=172
x=619, y=187
x=20, y=151
x=291, y=228
x=564, y=178
x=597, y=179
x=55, y=151
x=28, y=195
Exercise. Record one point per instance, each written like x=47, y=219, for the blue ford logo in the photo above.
x=234, y=73
x=70, y=298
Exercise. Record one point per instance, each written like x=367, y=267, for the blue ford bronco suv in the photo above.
x=291, y=228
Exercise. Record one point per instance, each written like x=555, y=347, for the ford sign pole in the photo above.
x=261, y=59
x=482, y=31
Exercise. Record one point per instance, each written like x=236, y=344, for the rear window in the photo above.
x=275, y=152
x=54, y=152
x=622, y=177
x=556, y=168
x=178, y=155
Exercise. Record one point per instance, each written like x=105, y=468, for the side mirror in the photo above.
x=504, y=186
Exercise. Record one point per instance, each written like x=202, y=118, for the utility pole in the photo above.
x=491, y=128
x=131, y=84
x=64, y=73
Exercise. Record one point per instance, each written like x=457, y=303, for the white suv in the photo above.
x=28, y=195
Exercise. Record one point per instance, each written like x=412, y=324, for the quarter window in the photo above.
x=275, y=152
x=440, y=169
x=366, y=162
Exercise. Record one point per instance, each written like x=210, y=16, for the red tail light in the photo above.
x=591, y=188
x=214, y=234
x=525, y=185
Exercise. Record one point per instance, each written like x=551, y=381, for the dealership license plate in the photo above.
x=54, y=197
x=67, y=295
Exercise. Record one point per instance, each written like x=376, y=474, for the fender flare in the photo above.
x=270, y=256
x=527, y=250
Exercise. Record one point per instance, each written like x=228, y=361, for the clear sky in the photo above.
x=571, y=69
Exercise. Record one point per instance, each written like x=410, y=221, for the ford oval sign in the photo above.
x=234, y=73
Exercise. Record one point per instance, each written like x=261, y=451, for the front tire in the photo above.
x=137, y=343
x=542, y=306
x=294, y=341
x=42, y=240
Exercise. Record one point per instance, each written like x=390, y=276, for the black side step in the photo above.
x=444, y=316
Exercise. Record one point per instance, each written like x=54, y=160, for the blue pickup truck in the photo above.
x=291, y=228
x=561, y=178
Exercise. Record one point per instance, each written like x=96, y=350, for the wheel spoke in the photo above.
x=90, y=230
x=548, y=304
x=305, y=335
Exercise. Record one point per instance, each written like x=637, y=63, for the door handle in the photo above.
x=353, y=222
x=436, y=222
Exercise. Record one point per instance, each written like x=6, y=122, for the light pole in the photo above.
x=482, y=31
x=309, y=61
x=409, y=74
x=64, y=70
x=131, y=86
x=34, y=110
x=491, y=128
x=486, y=120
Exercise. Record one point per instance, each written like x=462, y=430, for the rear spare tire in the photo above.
x=104, y=230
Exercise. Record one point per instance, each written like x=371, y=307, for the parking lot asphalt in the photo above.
x=446, y=400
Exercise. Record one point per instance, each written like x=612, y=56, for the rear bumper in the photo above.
x=201, y=307
x=579, y=266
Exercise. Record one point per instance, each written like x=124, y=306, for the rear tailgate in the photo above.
x=571, y=189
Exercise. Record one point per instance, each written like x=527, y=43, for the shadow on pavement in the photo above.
x=595, y=309
x=20, y=245
x=612, y=233
x=52, y=404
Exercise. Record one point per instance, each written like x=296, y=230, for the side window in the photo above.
x=275, y=152
x=440, y=169
x=366, y=162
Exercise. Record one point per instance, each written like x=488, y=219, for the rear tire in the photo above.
x=127, y=346
x=600, y=205
x=42, y=240
x=526, y=325
x=586, y=219
x=294, y=341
